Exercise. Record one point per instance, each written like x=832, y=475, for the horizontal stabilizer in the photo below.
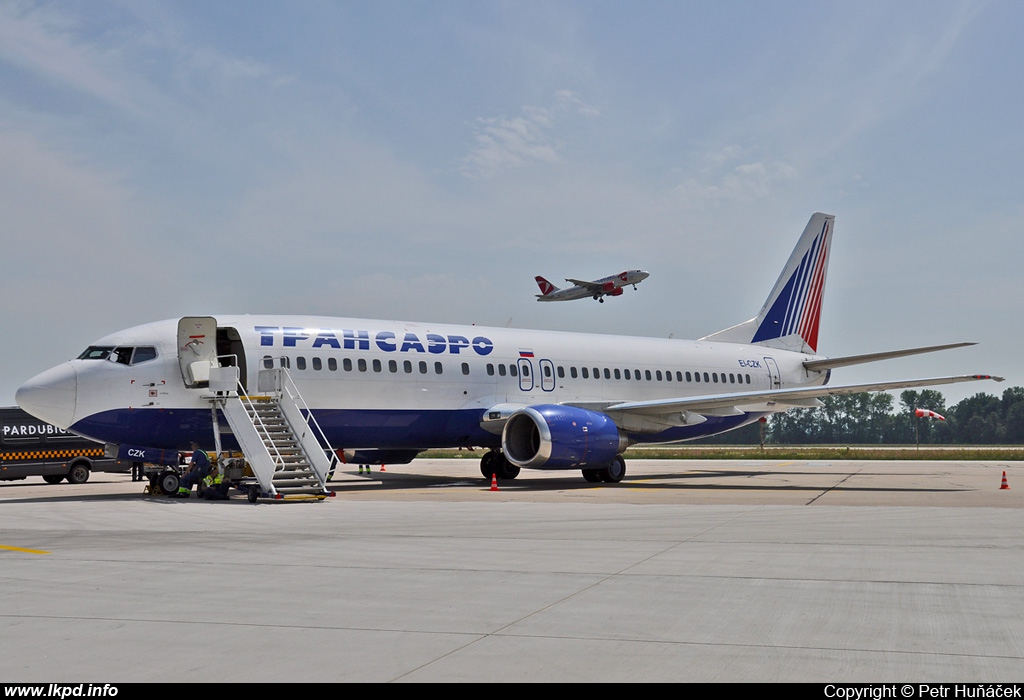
x=833, y=362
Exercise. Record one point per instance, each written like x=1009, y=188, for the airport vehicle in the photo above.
x=598, y=289
x=536, y=399
x=31, y=447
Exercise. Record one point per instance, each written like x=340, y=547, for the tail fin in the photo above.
x=545, y=286
x=789, y=318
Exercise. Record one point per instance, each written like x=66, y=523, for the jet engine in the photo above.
x=560, y=437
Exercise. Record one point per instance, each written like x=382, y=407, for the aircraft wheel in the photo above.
x=53, y=478
x=601, y=300
x=78, y=474
x=613, y=473
x=487, y=465
x=254, y=493
x=511, y=472
x=168, y=483
x=592, y=475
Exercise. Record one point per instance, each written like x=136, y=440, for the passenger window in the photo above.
x=438, y=369
x=572, y=372
x=423, y=367
x=586, y=373
x=627, y=374
x=501, y=370
x=300, y=363
x=407, y=366
x=347, y=364
x=318, y=364
x=490, y=369
x=332, y=364
x=377, y=366
x=268, y=362
x=361, y=364
x=392, y=366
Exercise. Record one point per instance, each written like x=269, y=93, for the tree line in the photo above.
x=872, y=419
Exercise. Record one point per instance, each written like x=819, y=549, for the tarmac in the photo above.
x=826, y=572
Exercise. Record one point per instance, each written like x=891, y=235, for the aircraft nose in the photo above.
x=51, y=396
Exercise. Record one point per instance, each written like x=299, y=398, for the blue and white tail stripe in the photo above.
x=794, y=307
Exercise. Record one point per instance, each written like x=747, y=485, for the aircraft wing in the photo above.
x=726, y=404
x=590, y=286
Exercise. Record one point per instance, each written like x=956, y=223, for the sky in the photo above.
x=425, y=160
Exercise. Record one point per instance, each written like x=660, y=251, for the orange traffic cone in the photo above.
x=494, y=482
x=383, y=468
x=1005, y=484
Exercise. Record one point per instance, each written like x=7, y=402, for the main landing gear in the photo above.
x=494, y=463
x=611, y=474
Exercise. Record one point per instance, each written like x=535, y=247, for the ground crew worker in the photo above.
x=199, y=468
x=215, y=487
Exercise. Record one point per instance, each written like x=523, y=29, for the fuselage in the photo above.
x=392, y=384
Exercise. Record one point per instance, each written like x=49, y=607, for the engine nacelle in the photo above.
x=617, y=292
x=560, y=437
x=608, y=286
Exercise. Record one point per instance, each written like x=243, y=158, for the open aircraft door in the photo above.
x=197, y=349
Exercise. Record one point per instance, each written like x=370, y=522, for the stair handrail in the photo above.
x=257, y=420
x=288, y=386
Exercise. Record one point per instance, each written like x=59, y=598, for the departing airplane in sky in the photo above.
x=383, y=391
x=610, y=286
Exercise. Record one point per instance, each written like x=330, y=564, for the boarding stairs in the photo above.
x=277, y=433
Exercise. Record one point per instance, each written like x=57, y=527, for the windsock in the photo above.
x=927, y=413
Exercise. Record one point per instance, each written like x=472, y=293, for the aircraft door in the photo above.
x=547, y=375
x=525, y=374
x=773, y=373
x=197, y=349
x=231, y=353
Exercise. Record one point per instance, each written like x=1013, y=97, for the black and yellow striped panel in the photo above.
x=49, y=454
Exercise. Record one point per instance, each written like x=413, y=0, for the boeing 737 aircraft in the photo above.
x=386, y=390
x=611, y=286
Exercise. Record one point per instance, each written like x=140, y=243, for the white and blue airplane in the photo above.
x=383, y=391
x=606, y=286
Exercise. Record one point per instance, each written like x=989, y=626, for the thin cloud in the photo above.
x=505, y=143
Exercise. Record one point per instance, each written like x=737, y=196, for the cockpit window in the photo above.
x=143, y=354
x=96, y=352
x=121, y=355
